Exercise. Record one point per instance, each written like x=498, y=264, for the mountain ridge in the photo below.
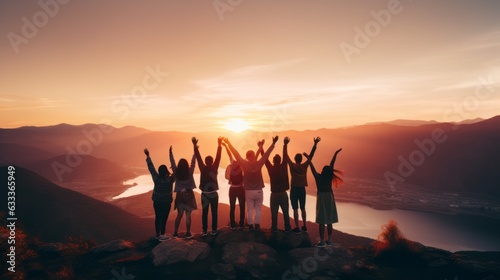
x=465, y=161
x=54, y=213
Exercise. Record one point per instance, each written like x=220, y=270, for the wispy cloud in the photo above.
x=19, y=103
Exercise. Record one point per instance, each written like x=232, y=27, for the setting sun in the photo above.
x=237, y=125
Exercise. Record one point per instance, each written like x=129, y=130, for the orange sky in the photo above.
x=192, y=65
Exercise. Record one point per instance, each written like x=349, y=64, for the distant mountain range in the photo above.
x=403, y=122
x=461, y=157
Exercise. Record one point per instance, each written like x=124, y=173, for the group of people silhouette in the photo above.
x=246, y=185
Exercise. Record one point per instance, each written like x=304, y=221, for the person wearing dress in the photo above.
x=326, y=209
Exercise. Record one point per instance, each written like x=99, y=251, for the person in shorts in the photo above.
x=298, y=172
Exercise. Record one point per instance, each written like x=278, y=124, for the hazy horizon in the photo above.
x=404, y=122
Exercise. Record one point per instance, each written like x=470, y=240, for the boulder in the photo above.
x=288, y=240
x=111, y=247
x=224, y=269
x=118, y=251
x=226, y=236
x=177, y=250
x=257, y=259
x=50, y=249
x=479, y=263
x=333, y=259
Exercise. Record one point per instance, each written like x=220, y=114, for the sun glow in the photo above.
x=237, y=125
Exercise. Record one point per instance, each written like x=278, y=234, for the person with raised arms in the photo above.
x=278, y=174
x=252, y=181
x=326, y=209
x=208, y=185
x=185, y=201
x=162, y=195
x=234, y=175
x=298, y=171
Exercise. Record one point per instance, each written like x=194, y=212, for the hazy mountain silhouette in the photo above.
x=58, y=138
x=54, y=213
x=20, y=154
x=90, y=169
x=404, y=122
x=467, y=160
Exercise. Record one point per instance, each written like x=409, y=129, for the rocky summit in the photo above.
x=243, y=254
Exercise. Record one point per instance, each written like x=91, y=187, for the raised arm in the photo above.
x=218, y=154
x=260, y=145
x=237, y=156
x=260, y=151
x=313, y=150
x=197, y=152
x=313, y=170
x=193, y=164
x=228, y=152
x=265, y=156
x=286, y=158
x=332, y=163
x=285, y=154
x=151, y=166
x=172, y=160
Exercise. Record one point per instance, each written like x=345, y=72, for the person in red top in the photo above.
x=298, y=171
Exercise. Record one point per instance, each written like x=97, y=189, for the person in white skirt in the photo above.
x=326, y=209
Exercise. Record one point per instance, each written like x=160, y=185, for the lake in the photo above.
x=453, y=233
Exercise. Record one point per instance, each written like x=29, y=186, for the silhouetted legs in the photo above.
x=209, y=200
x=322, y=232
x=188, y=221
x=178, y=220
x=236, y=193
x=279, y=200
x=330, y=232
x=303, y=212
x=162, y=209
x=298, y=196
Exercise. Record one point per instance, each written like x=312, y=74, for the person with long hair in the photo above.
x=252, y=181
x=185, y=201
x=208, y=185
x=326, y=209
x=234, y=175
x=162, y=195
